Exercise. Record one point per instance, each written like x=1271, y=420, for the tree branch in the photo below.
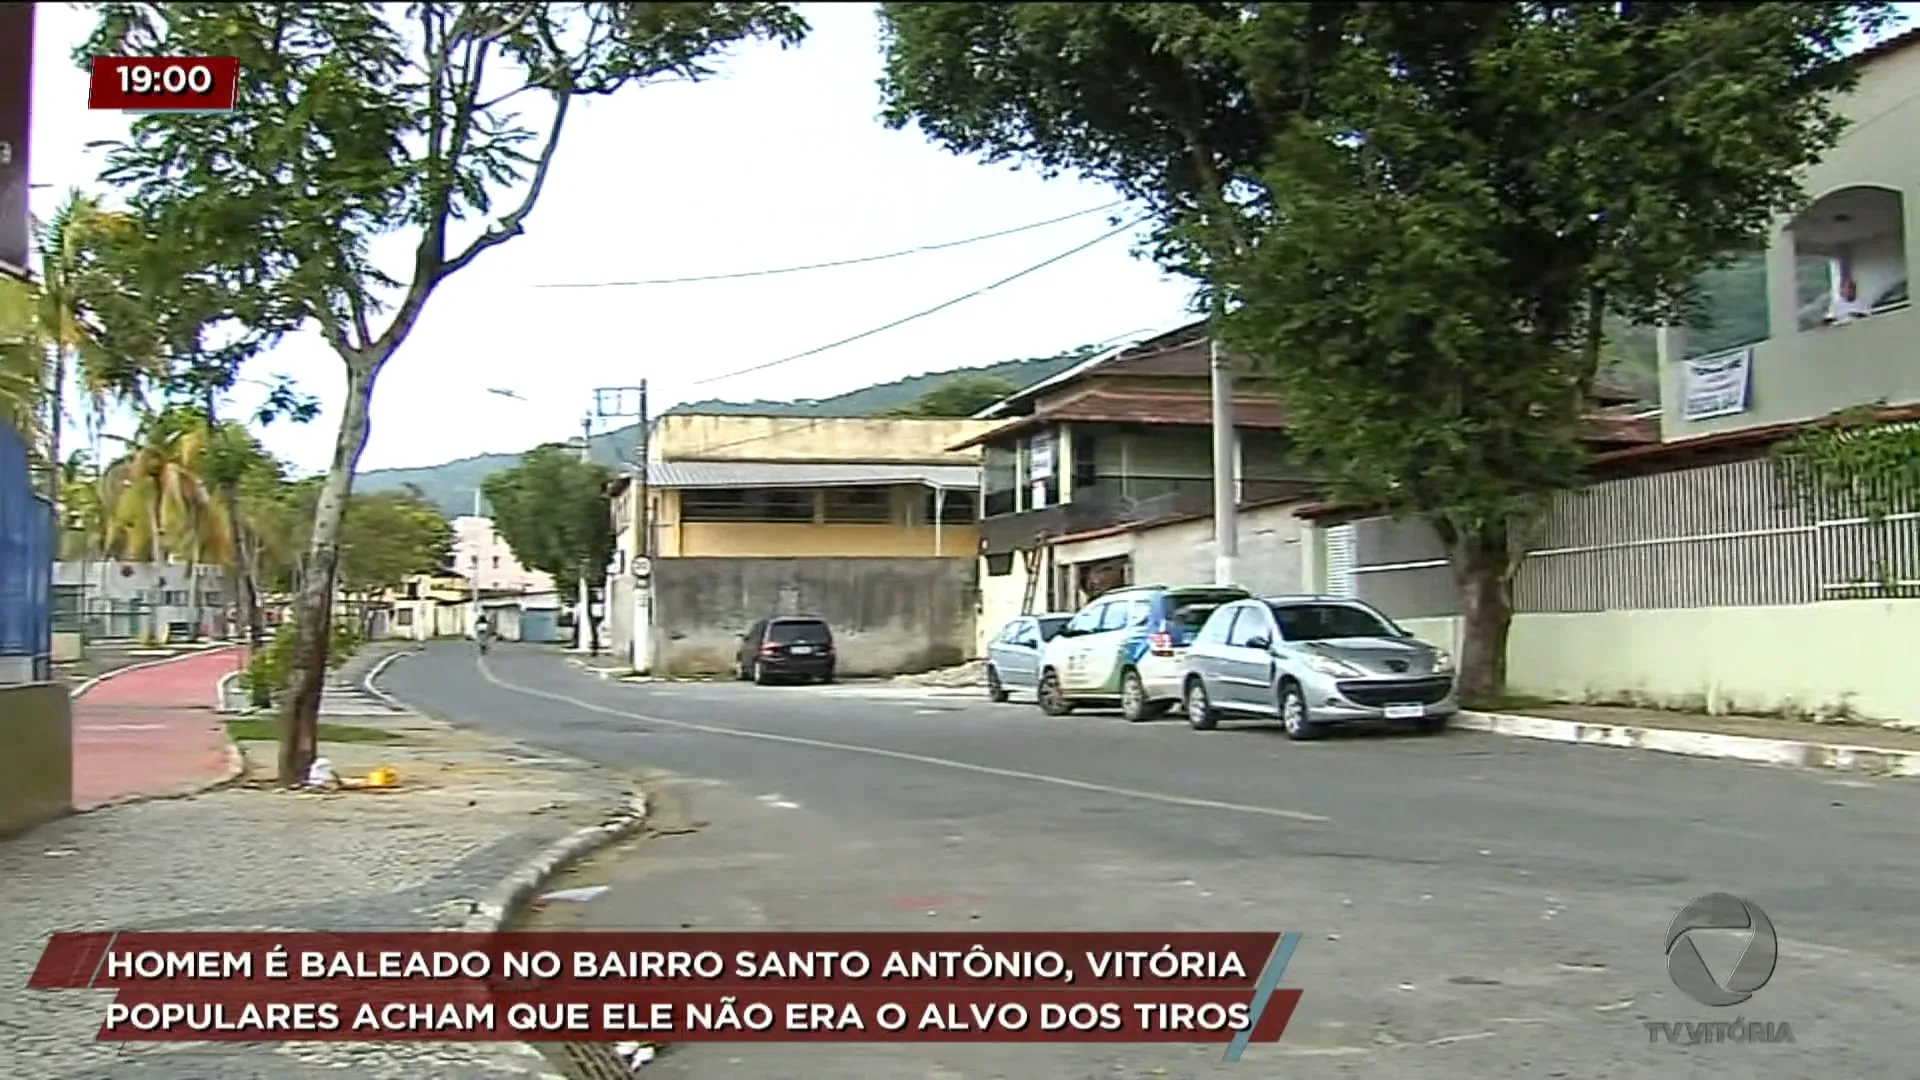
x=515, y=223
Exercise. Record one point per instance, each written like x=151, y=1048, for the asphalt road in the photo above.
x=1473, y=905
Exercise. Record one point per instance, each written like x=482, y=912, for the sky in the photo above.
x=781, y=161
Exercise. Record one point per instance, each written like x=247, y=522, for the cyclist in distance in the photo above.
x=483, y=633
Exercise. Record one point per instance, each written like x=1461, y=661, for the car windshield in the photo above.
x=799, y=633
x=1051, y=626
x=1327, y=622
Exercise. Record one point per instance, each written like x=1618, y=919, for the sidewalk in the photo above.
x=473, y=815
x=1856, y=748
x=151, y=731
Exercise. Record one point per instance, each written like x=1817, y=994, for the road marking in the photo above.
x=918, y=759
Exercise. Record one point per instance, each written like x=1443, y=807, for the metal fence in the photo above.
x=26, y=568
x=1729, y=535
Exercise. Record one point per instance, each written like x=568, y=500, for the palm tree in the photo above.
x=161, y=508
x=58, y=325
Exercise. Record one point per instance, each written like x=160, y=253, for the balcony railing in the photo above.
x=1103, y=505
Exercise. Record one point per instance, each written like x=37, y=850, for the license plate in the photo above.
x=1406, y=712
x=802, y=650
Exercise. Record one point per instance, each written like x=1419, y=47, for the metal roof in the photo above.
x=744, y=474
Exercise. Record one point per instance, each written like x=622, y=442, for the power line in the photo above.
x=942, y=306
x=837, y=262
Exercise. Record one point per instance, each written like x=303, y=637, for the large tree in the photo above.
x=961, y=395
x=1415, y=216
x=552, y=510
x=364, y=121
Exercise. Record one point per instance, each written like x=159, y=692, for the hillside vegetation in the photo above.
x=451, y=485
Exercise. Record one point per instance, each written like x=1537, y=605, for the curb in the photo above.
x=368, y=684
x=499, y=903
x=75, y=693
x=1880, y=761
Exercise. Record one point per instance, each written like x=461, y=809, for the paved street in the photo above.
x=1473, y=906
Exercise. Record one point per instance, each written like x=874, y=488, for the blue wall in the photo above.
x=26, y=561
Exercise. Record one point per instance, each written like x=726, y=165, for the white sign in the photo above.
x=1040, y=457
x=1717, y=385
x=642, y=567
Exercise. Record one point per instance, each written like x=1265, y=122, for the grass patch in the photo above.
x=248, y=730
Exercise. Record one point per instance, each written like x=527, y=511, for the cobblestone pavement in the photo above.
x=469, y=810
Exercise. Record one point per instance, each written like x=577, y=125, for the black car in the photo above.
x=796, y=647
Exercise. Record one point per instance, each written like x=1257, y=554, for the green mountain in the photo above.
x=451, y=486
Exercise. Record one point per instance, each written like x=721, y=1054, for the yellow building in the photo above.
x=752, y=516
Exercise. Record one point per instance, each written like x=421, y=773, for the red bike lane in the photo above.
x=151, y=731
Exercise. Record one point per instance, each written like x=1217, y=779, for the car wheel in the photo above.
x=760, y=676
x=827, y=677
x=1293, y=713
x=1052, y=700
x=1135, y=705
x=1200, y=714
x=995, y=691
x=740, y=671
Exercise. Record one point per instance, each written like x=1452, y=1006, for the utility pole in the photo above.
x=630, y=402
x=1226, y=527
x=583, y=626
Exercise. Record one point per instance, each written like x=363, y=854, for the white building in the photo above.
x=487, y=558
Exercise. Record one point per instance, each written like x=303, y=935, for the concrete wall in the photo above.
x=1844, y=657
x=693, y=436
x=888, y=615
x=1271, y=558
x=907, y=535
x=36, y=772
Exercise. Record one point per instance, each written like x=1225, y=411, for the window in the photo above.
x=1249, y=626
x=1328, y=622
x=1010, y=632
x=954, y=507
x=1190, y=610
x=1087, y=621
x=999, y=475
x=1122, y=614
x=799, y=631
x=496, y=562
x=746, y=504
x=1215, y=629
x=1000, y=565
x=173, y=598
x=859, y=505
x=413, y=591
x=1050, y=628
x=1086, y=462
x=1857, y=235
x=403, y=617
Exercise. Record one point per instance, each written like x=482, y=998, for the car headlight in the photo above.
x=1442, y=661
x=1327, y=665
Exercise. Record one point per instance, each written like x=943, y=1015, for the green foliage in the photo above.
x=387, y=536
x=270, y=671
x=552, y=509
x=1415, y=217
x=1855, y=465
x=962, y=396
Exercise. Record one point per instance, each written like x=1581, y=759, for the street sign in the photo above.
x=642, y=567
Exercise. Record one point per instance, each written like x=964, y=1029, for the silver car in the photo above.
x=1013, y=656
x=1315, y=662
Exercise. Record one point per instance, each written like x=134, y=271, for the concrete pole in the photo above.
x=582, y=621
x=1226, y=528
x=473, y=583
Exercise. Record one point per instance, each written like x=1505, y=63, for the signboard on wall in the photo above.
x=1717, y=385
x=16, y=104
x=1040, y=457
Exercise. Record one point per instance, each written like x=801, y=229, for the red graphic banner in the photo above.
x=683, y=986
x=165, y=83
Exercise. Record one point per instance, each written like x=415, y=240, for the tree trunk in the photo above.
x=56, y=408
x=313, y=604
x=1483, y=573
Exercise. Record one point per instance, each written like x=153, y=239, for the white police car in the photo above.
x=1127, y=648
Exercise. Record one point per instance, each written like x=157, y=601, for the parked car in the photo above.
x=1315, y=662
x=1126, y=647
x=795, y=647
x=1013, y=656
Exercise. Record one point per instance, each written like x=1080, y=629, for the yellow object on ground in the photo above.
x=383, y=777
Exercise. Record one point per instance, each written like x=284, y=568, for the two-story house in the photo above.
x=1820, y=321
x=868, y=522
x=1103, y=476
